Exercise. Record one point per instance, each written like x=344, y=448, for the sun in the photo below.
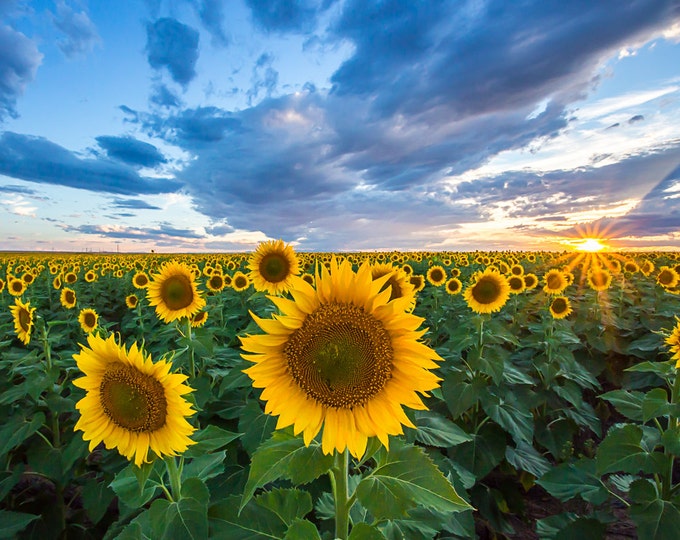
x=590, y=245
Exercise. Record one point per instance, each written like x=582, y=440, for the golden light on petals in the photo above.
x=22, y=314
x=272, y=266
x=174, y=293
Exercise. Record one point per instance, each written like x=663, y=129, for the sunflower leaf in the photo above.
x=404, y=478
x=285, y=456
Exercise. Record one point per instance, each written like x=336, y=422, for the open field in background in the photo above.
x=565, y=392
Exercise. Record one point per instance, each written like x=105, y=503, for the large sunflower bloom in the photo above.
x=132, y=404
x=341, y=356
x=273, y=266
x=488, y=293
x=23, y=320
x=174, y=292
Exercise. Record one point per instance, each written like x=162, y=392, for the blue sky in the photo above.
x=212, y=125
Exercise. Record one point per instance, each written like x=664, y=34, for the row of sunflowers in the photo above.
x=278, y=394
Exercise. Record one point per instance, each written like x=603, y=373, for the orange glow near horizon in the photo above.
x=590, y=245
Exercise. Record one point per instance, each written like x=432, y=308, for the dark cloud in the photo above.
x=287, y=16
x=81, y=33
x=173, y=45
x=211, y=13
x=163, y=230
x=38, y=160
x=131, y=151
x=473, y=58
x=19, y=61
x=636, y=118
x=18, y=189
x=163, y=96
x=136, y=204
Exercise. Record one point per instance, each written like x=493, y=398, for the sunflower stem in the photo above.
x=339, y=482
x=175, y=479
x=192, y=361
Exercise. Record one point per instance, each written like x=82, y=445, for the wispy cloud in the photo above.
x=80, y=32
x=174, y=46
x=19, y=61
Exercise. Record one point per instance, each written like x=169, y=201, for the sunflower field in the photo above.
x=384, y=395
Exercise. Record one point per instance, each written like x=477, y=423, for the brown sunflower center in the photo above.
x=131, y=399
x=486, y=291
x=599, y=279
x=516, y=283
x=559, y=305
x=665, y=277
x=69, y=297
x=529, y=281
x=89, y=319
x=554, y=281
x=177, y=292
x=453, y=285
x=341, y=356
x=436, y=275
x=17, y=285
x=274, y=267
x=24, y=317
x=141, y=280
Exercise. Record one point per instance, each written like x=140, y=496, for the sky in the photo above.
x=339, y=125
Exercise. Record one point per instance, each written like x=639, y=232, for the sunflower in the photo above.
x=131, y=301
x=418, y=282
x=488, y=293
x=555, y=281
x=599, y=279
x=453, y=285
x=667, y=277
x=198, y=319
x=88, y=319
x=398, y=282
x=647, y=267
x=309, y=278
x=341, y=356
x=240, y=281
x=517, y=269
x=174, y=292
x=132, y=404
x=56, y=283
x=90, y=276
x=70, y=278
x=68, y=298
x=23, y=320
x=272, y=267
x=560, y=307
x=530, y=281
x=436, y=275
x=2, y=284
x=16, y=286
x=216, y=282
x=140, y=280
x=516, y=283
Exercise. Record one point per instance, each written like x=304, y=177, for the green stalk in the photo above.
x=339, y=482
x=192, y=361
x=174, y=474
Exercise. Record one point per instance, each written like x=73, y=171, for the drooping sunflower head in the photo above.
x=22, y=313
x=488, y=293
x=132, y=404
x=68, y=298
x=555, y=281
x=88, y=319
x=174, y=293
x=341, y=356
x=560, y=307
x=272, y=267
x=199, y=319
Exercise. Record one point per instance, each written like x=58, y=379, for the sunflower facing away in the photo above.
x=341, y=356
x=23, y=320
x=273, y=266
x=174, y=292
x=132, y=404
x=488, y=293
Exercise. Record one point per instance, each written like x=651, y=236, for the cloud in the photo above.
x=19, y=206
x=39, y=160
x=131, y=151
x=264, y=77
x=164, y=231
x=81, y=33
x=211, y=13
x=163, y=96
x=286, y=16
x=636, y=118
x=19, y=61
x=174, y=46
x=135, y=204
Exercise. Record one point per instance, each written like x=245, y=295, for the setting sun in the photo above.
x=591, y=245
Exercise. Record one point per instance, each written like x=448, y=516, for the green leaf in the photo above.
x=624, y=449
x=671, y=440
x=583, y=528
x=628, y=403
x=302, y=529
x=403, y=478
x=665, y=370
x=518, y=423
x=17, y=430
x=364, y=531
x=287, y=504
x=525, y=457
x=252, y=522
x=569, y=480
x=195, y=488
x=209, y=439
x=183, y=520
x=655, y=518
x=256, y=426
x=97, y=497
x=129, y=490
x=483, y=453
x=285, y=456
x=460, y=394
x=437, y=430
x=205, y=467
x=655, y=404
x=14, y=522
